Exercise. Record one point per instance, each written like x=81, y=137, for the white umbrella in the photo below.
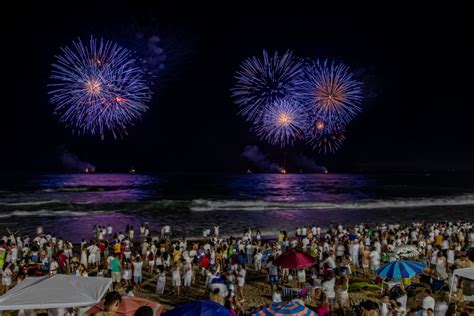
x=407, y=251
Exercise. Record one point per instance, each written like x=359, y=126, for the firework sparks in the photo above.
x=98, y=88
x=282, y=123
x=331, y=92
x=261, y=82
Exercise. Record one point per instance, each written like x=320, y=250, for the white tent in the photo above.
x=57, y=291
x=467, y=273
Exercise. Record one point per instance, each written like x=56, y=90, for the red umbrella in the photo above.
x=294, y=260
x=128, y=306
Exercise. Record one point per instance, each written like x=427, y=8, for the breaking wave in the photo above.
x=259, y=205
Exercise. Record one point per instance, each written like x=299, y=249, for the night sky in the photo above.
x=417, y=69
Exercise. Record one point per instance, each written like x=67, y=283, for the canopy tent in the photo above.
x=467, y=273
x=56, y=291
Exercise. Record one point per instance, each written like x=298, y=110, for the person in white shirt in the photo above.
x=328, y=286
x=385, y=306
x=161, y=282
x=166, y=231
x=354, y=251
x=374, y=259
x=305, y=243
x=7, y=274
x=188, y=273
x=301, y=278
x=440, y=308
x=137, y=271
x=53, y=267
x=176, y=278
x=402, y=299
x=304, y=231
x=428, y=302
x=276, y=297
x=249, y=251
x=241, y=282
x=258, y=262
x=298, y=232
x=378, y=246
x=450, y=258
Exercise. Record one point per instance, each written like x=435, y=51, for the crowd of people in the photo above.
x=221, y=266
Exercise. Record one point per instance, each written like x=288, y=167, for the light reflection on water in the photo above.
x=70, y=204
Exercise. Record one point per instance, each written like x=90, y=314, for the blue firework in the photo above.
x=98, y=88
x=331, y=92
x=282, y=122
x=261, y=82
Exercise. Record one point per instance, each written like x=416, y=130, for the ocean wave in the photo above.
x=31, y=203
x=51, y=213
x=202, y=205
x=88, y=188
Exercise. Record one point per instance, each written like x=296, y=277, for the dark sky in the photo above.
x=418, y=68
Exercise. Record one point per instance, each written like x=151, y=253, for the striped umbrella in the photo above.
x=401, y=269
x=280, y=309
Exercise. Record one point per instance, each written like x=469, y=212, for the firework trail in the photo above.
x=261, y=82
x=98, y=88
x=282, y=122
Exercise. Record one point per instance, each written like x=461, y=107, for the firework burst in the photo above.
x=98, y=88
x=330, y=91
x=282, y=123
x=261, y=82
x=326, y=138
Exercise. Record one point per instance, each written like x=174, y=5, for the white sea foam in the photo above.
x=259, y=205
x=32, y=203
x=21, y=213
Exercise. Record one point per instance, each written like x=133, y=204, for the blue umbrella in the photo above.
x=217, y=280
x=281, y=309
x=196, y=308
x=401, y=269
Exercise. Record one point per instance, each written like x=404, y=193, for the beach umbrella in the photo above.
x=222, y=289
x=400, y=269
x=294, y=259
x=196, y=308
x=281, y=309
x=128, y=306
x=217, y=280
x=406, y=251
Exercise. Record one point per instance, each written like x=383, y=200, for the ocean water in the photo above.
x=68, y=205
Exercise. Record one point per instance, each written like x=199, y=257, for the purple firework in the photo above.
x=98, y=88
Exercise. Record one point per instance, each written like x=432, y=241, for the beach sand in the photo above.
x=257, y=292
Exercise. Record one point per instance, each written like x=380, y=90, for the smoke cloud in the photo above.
x=254, y=155
x=306, y=163
x=71, y=162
